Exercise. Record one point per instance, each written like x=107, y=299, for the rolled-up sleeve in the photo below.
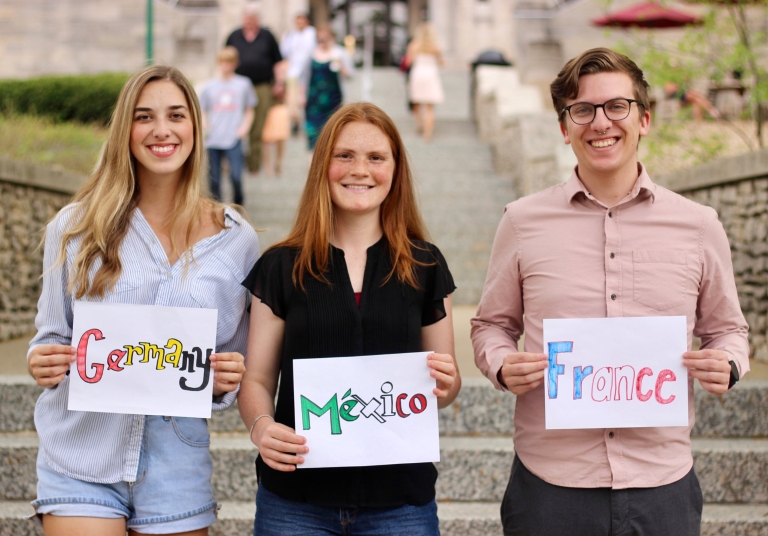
x=719, y=321
x=498, y=325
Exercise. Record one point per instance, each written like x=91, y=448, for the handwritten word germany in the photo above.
x=172, y=354
x=608, y=383
x=378, y=408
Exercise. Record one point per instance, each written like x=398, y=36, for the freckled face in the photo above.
x=604, y=147
x=361, y=169
x=162, y=132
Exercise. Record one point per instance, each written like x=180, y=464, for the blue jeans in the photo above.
x=279, y=517
x=234, y=157
x=172, y=493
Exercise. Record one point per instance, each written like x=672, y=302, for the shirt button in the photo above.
x=613, y=296
x=613, y=255
x=169, y=275
x=610, y=214
x=610, y=434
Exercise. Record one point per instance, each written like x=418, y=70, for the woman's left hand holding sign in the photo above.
x=228, y=369
x=444, y=371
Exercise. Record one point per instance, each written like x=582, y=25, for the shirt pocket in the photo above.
x=659, y=277
x=123, y=291
x=217, y=286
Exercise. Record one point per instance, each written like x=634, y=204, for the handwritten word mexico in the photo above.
x=172, y=354
x=608, y=383
x=378, y=408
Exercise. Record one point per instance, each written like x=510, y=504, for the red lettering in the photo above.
x=114, y=358
x=643, y=397
x=400, y=399
x=81, y=351
x=665, y=375
x=422, y=405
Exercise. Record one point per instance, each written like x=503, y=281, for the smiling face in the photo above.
x=361, y=169
x=606, y=149
x=162, y=132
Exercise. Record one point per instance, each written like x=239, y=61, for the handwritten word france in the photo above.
x=380, y=408
x=608, y=383
x=171, y=354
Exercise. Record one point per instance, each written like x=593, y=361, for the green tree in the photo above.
x=732, y=38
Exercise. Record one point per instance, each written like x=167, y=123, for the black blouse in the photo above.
x=325, y=321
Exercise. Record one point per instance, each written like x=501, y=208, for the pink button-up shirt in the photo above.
x=561, y=253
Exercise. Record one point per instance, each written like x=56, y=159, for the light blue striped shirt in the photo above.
x=105, y=447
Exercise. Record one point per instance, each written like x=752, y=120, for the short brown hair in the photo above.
x=228, y=55
x=593, y=61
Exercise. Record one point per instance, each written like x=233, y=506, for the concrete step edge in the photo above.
x=447, y=511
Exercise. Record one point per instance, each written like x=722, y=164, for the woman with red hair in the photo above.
x=354, y=277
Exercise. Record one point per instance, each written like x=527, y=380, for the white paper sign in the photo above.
x=615, y=372
x=366, y=410
x=142, y=359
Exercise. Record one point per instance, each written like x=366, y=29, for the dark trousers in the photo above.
x=234, y=158
x=533, y=507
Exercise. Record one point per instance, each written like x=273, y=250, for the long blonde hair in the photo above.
x=425, y=40
x=106, y=201
x=400, y=218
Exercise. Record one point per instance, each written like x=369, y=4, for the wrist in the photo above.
x=258, y=432
x=500, y=379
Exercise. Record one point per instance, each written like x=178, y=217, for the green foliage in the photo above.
x=83, y=98
x=732, y=37
x=40, y=140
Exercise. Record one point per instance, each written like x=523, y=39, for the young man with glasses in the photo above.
x=606, y=243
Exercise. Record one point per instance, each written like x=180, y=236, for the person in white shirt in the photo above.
x=296, y=47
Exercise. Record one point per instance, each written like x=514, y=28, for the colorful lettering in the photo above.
x=555, y=369
x=81, y=353
x=665, y=375
x=332, y=406
x=643, y=397
x=578, y=378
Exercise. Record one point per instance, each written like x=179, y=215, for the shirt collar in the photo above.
x=573, y=186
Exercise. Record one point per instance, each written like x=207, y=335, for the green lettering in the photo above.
x=346, y=407
x=332, y=406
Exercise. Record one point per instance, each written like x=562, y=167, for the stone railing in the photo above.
x=524, y=135
x=30, y=196
x=737, y=188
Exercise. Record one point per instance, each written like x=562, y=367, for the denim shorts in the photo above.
x=276, y=516
x=172, y=493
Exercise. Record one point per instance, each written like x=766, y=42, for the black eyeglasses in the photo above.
x=583, y=113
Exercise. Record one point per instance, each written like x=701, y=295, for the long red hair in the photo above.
x=400, y=217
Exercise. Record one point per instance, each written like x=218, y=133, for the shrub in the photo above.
x=82, y=98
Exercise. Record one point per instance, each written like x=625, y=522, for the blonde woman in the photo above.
x=140, y=231
x=423, y=56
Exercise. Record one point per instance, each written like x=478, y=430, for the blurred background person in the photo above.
x=227, y=102
x=259, y=53
x=424, y=86
x=321, y=80
x=277, y=128
x=296, y=47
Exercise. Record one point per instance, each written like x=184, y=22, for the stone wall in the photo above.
x=29, y=196
x=524, y=136
x=738, y=189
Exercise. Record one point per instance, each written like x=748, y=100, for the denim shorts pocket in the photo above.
x=659, y=278
x=192, y=431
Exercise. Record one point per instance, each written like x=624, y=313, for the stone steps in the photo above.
x=471, y=468
x=479, y=410
x=456, y=519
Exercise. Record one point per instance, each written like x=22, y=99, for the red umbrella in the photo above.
x=647, y=15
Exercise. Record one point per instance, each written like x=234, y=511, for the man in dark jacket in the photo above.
x=259, y=52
